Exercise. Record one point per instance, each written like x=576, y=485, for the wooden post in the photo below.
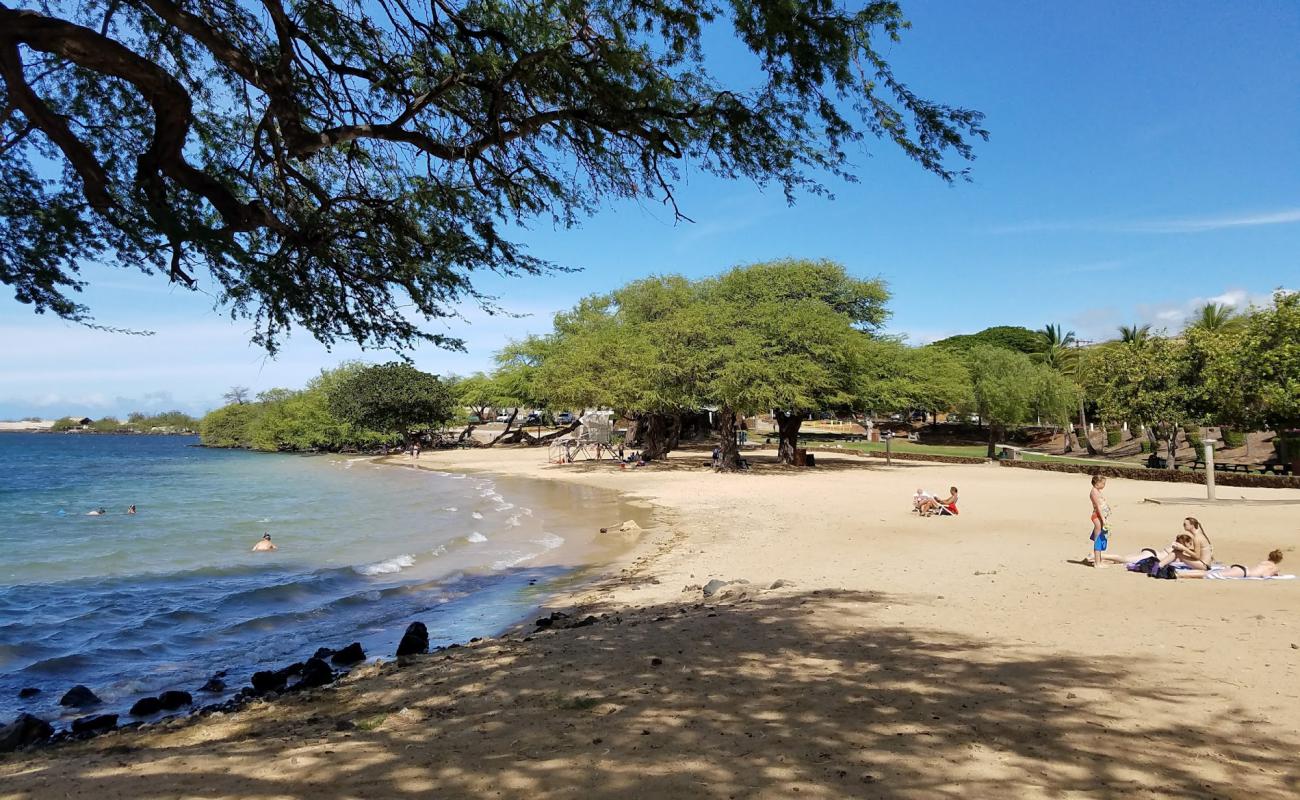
x=1209, y=469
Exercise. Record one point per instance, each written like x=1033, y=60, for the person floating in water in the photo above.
x=130, y=509
x=99, y=512
x=264, y=544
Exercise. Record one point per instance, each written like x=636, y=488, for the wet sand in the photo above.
x=899, y=657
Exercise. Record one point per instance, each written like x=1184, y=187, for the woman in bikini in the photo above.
x=1200, y=555
x=1264, y=569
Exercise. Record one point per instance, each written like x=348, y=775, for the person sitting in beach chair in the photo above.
x=921, y=498
x=942, y=508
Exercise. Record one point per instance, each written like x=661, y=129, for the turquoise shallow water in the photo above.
x=135, y=604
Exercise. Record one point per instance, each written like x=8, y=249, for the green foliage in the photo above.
x=1114, y=436
x=1136, y=335
x=1214, y=317
x=393, y=398
x=1008, y=388
x=166, y=421
x=1268, y=363
x=1195, y=440
x=288, y=419
x=346, y=167
x=229, y=426
x=1233, y=439
x=1007, y=337
x=1144, y=381
x=107, y=425
x=65, y=424
x=1144, y=445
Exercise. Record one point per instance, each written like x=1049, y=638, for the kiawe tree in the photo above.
x=1008, y=388
x=346, y=166
x=393, y=398
x=809, y=320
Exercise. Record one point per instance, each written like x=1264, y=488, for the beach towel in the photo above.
x=1217, y=576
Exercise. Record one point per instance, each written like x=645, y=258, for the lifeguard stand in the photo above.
x=592, y=441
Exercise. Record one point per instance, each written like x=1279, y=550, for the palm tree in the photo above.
x=1136, y=335
x=1058, y=354
x=1216, y=317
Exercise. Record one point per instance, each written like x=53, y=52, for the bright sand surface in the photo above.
x=907, y=657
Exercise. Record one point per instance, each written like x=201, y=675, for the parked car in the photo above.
x=505, y=416
x=564, y=418
x=954, y=418
x=533, y=419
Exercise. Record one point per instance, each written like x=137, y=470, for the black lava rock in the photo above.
x=315, y=673
x=146, y=706
x=415, y=640
x=214, y=685
x=23, y=731
x=268, y=681
x=79, y=697
x=99, y=723
x=349, y=655
x=323, y=652
x=175, y=699
x=28, y=691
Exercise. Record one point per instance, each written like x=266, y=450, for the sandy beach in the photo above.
x=871, y=653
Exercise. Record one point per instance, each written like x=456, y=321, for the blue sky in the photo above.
x=1143, y=159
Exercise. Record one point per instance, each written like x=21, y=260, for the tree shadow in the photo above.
x=785, y=694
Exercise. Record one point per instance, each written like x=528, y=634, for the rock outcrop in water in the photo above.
x=79, y=697
x=23, y=731
x=28, y=691
x=314, y=673
x=414, y=641
x=94, y=725
x=145, y=706
x=174, y=699
x=349, y=655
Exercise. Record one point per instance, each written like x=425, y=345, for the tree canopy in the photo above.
x=1008, y=337
x=1008, y=388
x=392, y=398
x=346, y=166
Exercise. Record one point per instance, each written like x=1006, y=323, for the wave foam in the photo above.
x=476, y=538
x=550, y=541
x=513, y=521
x=476, y=515
x=387, y=567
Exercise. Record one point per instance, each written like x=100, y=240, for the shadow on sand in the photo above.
x=787, y=694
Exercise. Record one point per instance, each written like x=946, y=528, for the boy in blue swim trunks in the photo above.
x=1100, y=515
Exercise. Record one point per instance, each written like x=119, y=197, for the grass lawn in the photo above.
x=965, y=450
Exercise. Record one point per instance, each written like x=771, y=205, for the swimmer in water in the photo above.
x=264, y=544
x=99, y=512
x=130, y=509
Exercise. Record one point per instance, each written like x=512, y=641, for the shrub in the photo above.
x=1114, y=436
x=1233, y=439
x=1144, y=446
x=1194, y=439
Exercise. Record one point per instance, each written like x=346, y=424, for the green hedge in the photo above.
x=1144, y=445
x=1114, y=436
x=1233, y=439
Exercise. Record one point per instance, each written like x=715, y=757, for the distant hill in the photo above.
x=1008, y=337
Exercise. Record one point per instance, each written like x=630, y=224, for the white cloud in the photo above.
x=1192, y=224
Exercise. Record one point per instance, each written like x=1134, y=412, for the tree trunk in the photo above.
x=659, y=434
x=993, y=437
x=1173, y=449
x=787, y=426
x=506, y=432
x=530, y=440
x=1083, y=430
x=730, y=451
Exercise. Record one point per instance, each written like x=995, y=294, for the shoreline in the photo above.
x=895, y=656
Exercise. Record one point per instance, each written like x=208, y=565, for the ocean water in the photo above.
x=131, y=605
